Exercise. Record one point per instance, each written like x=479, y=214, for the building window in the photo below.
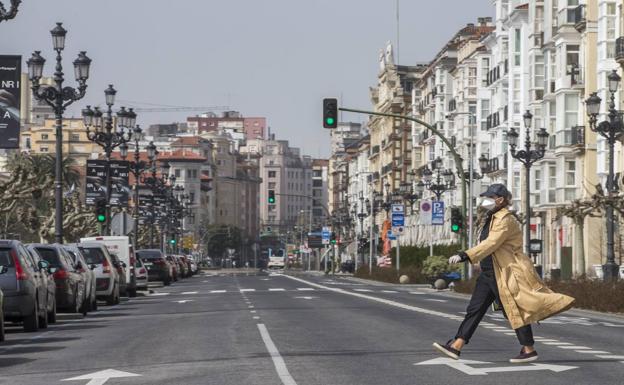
x=317, y=183
x=44, y=136
x=177, y=172
x=552, y=184
x=272, y=185
x=485, y=69
x=74, y=137
x=272, y=208
x=191, y=198
x=517, y=46
x=537, y=180
x=571, y=110
x=43, y=149
x=272, y=174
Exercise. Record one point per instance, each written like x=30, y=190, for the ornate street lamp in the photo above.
x=444, y=181
x=109, y=134
x=527, y=157
x=11, y=13
x=58, y=97
x=610, y=129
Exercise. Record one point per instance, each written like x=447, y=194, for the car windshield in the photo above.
x=50, y=255
x=5, y=257
x=93, y=255
x=149, y=254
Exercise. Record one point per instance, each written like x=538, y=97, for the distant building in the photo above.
x=232, y=122
x=320, y=192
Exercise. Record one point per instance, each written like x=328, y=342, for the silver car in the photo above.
x=87, y=270
x=106, y=277
x=25, y=297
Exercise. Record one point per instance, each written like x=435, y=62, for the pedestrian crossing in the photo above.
x=282, y=289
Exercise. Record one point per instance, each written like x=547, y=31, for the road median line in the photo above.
x=278, y=361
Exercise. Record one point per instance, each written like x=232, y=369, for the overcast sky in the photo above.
x=273, y=58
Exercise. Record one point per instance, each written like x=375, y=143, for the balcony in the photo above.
x=580, y=22
x=374, y=151
x=572, y=137
x=577, y=78
x=619, y=50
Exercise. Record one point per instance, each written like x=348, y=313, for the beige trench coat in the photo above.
x=522, y=293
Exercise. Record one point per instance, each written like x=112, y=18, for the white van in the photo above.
x=123, y=249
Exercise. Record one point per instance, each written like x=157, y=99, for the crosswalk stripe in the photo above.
x=305, y=288
x=389, y=291
x=592, y=352
x=218, y=291
x=363, y=290
x=188, y=292
x=244, y=290
x=557, y=343
x=574, y=347
x=277, y=289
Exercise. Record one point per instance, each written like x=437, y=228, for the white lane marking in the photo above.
x=557, y=343
x=510, y=334
x=205, y=281
x=250, y=306
x=277, y=289
x=389, y=291
x=467, y=366
x=574, y=347
x=612, y=357
x=189, y=292
x=543, y=340
x=158, y=294
x=101, y=377
x=592, y=352
x=417, y=293
x=363, y=290
x=278, y=361
x=246, y=290
x=501, y=330
x=305, y=288
x=218, y=291
x=252, y=311
x=304, y=297
x=436, y=300
x=256, y=317
x=184, y=301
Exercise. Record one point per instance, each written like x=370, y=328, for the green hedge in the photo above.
x=415, y=256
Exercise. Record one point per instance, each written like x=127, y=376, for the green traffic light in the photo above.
x=101, y=218
x=455, y=228
x=172, y=241
x=329, y=121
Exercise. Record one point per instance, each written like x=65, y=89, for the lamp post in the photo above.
x=527, y=157
x=444, y=180
x=611, y=130
x=11, y=13
x=59, y=98
x=137, y=168
x=109, y=134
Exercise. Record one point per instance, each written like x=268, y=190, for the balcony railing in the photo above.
x=580, y=22
x=619, y=49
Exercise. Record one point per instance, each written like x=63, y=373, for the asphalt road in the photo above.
x=303, y=329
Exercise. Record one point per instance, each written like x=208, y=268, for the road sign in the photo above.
x=326, y=235
x=398, y=215
x=437, y=213
x=425, y=212
x=122, y=224
x=465, y=366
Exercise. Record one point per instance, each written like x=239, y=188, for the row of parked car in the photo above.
x=39, y=280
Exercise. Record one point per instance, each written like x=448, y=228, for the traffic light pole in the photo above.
x=458, y=159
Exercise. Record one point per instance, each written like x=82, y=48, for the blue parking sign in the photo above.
x=437, y=213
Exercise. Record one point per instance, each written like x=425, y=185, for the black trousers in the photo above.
x=483, y=296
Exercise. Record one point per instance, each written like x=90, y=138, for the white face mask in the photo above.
x=488, y=203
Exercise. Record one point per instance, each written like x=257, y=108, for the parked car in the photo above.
x=158, y=268
x=87, y=271
x=184, y=270
x=70, y=284
x=193, y=265
x=175, y=267
x=2, y=271
x=49, y=283
x=106, y=277
x=141, y=274
x=121, y=268
x=123, y=249
x=25, y=294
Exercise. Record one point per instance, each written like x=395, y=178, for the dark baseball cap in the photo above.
x=497, y=189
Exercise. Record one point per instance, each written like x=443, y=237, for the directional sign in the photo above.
x=99, y=378
x=325, y=235
x=437, y=213
x=465, y=366
x=398, y=215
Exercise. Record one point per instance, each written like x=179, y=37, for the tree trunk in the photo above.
x=580, y=247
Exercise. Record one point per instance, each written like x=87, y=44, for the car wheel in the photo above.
x=52, y=314
x=31, y=322
x=43, y=318
x=110, y=300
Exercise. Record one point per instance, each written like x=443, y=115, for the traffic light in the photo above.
x=172, y=242
x=271, y=196
x=456, y=219
x=100, y=210
x=332, y=239
x=330, y=113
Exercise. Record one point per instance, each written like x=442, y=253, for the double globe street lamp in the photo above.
x=527, y=157
x=109, y=134
x=58, y=97
x=610, y=129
